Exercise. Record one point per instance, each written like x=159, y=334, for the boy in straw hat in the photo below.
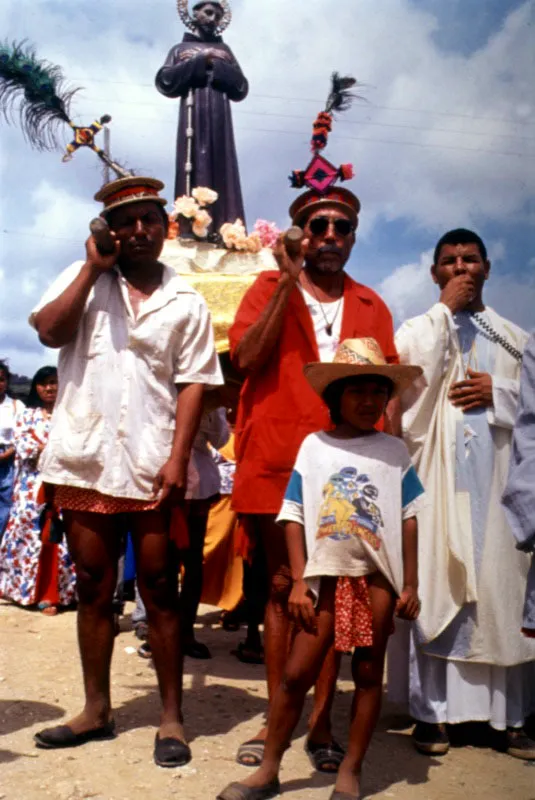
x=349, y=517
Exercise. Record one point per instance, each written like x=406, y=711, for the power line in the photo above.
x=373, y=140
x=239, y=112
x=286, y=99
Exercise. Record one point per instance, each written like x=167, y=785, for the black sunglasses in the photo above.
x=319, y=225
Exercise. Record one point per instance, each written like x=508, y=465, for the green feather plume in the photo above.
x=36, y=90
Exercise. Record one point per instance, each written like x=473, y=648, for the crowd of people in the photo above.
x=379, y=483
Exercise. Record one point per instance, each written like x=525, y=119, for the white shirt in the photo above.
x=114, y=419
x=9, y=410
x=203, y=475
x=323, y=314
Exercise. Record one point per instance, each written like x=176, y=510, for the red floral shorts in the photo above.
x=352, y=614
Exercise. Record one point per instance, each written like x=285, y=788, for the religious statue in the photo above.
x=204, y=73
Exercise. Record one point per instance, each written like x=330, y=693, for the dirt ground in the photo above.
x=224, y=702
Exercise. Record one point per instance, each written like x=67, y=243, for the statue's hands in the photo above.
x=212, y=54
x=290, y=265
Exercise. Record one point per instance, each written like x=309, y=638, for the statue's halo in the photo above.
x=189, y=22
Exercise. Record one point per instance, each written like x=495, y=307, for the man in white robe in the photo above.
x=468, y=659
x=519, y=495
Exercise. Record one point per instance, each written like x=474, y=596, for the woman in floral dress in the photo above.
x=9, y=408
x=33, y=572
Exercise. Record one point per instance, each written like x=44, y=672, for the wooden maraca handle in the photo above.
x=101, y=234
x=292, y=240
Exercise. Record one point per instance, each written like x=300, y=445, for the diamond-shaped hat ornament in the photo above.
x=320, y=174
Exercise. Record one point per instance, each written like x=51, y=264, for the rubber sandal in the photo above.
x=321, y=755
x=253, y=749
x=197, y=649
x=64, y=736
x=344, y=796
x=239, y=791
x=48, y=609
x=231, y=621
x=169, y=752
x=144, y=650
x=247, y=655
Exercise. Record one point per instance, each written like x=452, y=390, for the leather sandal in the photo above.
x=169, y=752
x=64, y=736
x=325, y=757
x=239, y=791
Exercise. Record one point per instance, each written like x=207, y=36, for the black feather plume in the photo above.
x=340, y=97
x=35, y=89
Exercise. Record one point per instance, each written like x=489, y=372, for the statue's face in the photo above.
x=207, y=16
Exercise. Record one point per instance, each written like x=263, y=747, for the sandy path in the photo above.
x=224, y=702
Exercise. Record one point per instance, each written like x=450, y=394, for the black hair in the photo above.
x=332, y=396
x=5, y=369
x=460, y=236
x=34, y=401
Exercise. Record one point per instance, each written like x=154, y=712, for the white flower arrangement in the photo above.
x=233, y=234
x=193, y=208
x=235, y=237
x=204, y=196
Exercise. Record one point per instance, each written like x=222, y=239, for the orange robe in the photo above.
x=278, y=408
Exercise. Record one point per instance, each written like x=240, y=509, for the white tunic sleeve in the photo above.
x=196, y=360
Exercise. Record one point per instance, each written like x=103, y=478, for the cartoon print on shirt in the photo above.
x=349, y=508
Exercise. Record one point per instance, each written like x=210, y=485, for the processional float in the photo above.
x=208, y=242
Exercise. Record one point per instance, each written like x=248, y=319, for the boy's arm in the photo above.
x=300, y=602
x=408, y=604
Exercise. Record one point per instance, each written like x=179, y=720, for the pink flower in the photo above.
x=267, y=231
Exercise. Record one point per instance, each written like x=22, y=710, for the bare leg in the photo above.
x=319, y=723
x=368, y=668
x=157, y=582
x=277, y=625
x=94, y=544
x=278, y=632
x=301, y=672
x=190, y=594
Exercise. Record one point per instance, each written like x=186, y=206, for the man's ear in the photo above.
x=487, y=269
x=432, y=270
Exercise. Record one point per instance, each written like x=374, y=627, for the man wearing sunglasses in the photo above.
x=288, y=318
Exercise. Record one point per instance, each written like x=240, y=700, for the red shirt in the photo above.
x=278, y=407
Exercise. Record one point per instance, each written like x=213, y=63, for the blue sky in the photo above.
x=446, y=137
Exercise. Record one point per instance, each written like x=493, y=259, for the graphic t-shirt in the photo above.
x=351, y=496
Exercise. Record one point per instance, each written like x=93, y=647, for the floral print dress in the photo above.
x=21, y=549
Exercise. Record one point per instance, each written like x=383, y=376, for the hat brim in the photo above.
x=320, y=374
x=128, y=201
x=323, y=202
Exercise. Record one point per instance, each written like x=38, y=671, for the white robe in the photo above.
x=448, y=579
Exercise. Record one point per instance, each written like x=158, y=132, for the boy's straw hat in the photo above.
x=356, y=357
